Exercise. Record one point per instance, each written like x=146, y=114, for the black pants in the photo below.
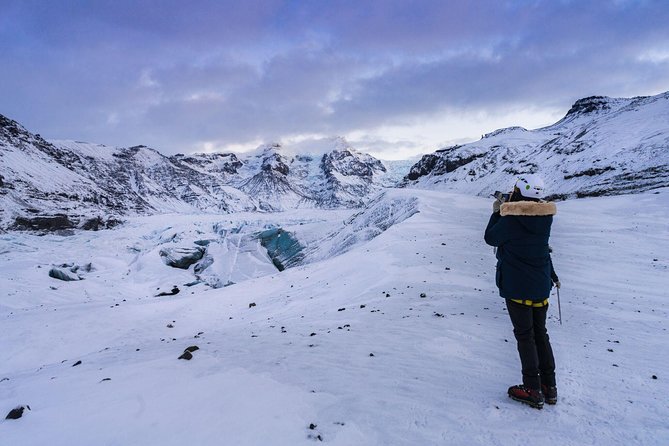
x=536, y=354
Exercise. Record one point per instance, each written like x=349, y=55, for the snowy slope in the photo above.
x=603, y=146
x=344, y=348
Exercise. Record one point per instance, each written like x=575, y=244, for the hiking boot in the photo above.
x=550, y=394
x=531, y=397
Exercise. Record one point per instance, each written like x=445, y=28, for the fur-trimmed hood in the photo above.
x=528, y=208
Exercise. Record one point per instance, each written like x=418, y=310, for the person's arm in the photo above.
x=497, y=231
x=554, y=276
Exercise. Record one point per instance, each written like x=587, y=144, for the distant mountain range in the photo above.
x=602, y=146
x=64, y=184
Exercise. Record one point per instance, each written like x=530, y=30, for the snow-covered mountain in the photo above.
x=65, y=184
x=603, y=146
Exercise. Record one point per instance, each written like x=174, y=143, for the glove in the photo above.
x=557, y=284
x=495, y=206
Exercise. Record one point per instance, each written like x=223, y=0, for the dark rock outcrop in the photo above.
x=182, y=257
x=63, y=274
x=98, y=223
x=173, y=292
x=44, y=223
x=444, y=161
x=589, y=105
x=16, y=413
x=186, y=355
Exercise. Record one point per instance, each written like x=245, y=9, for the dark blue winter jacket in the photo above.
x=520, y=231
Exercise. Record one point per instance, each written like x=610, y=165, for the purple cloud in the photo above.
x=174, y=75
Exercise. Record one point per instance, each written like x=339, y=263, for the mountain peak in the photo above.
x=594, y=104
x=505, y=131
x=10, y=129
x=603, y=146
x=340, y=143
x=271, y=147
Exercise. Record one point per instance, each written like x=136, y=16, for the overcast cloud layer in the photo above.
x=396, y=78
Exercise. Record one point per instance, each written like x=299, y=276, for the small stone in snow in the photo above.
x=363, y=306
x=252, y=304
x=371, y=354
x=423, y=295
x=170, y=326
x=186, y=355
x=16, y=413
x=175, y=290
x=313, y=426
x=76, y=364
x=312, y=334
x=106, y=379
x=341, y=309
x=192, y=348
x=654, y=377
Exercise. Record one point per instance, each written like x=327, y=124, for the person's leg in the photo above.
x=543, y=345
x=523, y=330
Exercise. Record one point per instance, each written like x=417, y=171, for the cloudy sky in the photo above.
x=396, y=78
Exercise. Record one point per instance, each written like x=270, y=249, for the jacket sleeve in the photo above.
x=554, y=276
x=497, y=231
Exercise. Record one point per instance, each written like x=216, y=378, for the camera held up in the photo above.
x=501, y=196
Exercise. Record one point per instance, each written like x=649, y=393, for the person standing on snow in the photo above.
x=520, y=229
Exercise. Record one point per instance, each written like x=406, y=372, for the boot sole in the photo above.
x=529, y=403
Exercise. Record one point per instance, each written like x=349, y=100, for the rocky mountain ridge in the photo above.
x=71, y=184
x=602, y=146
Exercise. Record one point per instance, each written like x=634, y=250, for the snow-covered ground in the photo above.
x=344, y=350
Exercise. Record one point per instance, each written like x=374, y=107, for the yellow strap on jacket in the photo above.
x=531, y=303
